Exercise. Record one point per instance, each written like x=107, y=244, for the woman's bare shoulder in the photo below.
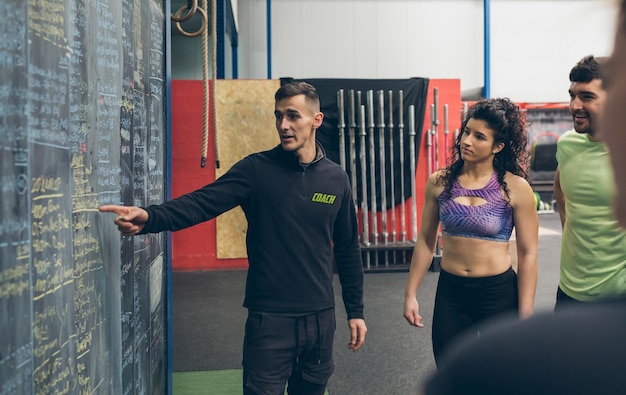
x=436, y=180
x=515, y=180
x=434, y=185
x=518, y=186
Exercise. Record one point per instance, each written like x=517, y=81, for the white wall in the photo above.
x=533, y=53
x=533, y=43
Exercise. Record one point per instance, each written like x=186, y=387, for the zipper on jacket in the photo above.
x=304, y=188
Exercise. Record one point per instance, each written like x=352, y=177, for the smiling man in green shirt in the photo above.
x=593, y=247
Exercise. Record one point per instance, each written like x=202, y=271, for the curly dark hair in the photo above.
x=506, y=120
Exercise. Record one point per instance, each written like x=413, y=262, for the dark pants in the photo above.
x=564, y=301
x=462, y=303
x=297, y=351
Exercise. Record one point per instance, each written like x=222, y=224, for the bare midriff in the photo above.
x=470, y=257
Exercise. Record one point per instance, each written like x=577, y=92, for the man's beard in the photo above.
x=586, y=129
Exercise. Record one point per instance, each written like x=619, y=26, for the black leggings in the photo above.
x=463, y=302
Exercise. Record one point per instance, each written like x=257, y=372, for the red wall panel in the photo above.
x=193, y=248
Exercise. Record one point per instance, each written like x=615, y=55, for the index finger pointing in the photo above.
x=119, y=210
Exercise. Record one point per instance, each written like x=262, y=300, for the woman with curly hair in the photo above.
x=478, y=198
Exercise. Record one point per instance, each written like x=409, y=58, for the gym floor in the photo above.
x=208, y=323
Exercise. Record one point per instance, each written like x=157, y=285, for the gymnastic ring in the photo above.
x=200, y=31
x=177, y=17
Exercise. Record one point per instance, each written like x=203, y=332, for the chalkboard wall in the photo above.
x=81, y=124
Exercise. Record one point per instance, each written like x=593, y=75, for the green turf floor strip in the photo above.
x=218, y=382
x=214, y=382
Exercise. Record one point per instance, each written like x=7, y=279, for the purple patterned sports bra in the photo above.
x=492, y=220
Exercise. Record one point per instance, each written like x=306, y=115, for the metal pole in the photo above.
x=268, y=24
x=463, y=115
x=392, y=172
x=352, y=144
x=435, y=131
x=446, y=132
x=365, y=238
x=487, y=49
x=372, y=161
x=401, y=141
x=429, y=140
x=341, y=125
x=382, y=164
x=435, y=121
x=412, y=155
x=364, y=206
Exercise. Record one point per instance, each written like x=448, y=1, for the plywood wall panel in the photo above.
x=244, y=124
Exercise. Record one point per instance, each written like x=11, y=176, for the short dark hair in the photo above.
x=299, y=88
x=588, y=69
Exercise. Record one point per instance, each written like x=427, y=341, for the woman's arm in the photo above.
x=527, y=235
x=423, y=251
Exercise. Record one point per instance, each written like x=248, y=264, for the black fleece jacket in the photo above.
x=298, y=218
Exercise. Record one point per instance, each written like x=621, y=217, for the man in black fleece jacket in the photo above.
x=301, y=215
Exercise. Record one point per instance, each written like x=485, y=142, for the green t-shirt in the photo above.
x=593, y=247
